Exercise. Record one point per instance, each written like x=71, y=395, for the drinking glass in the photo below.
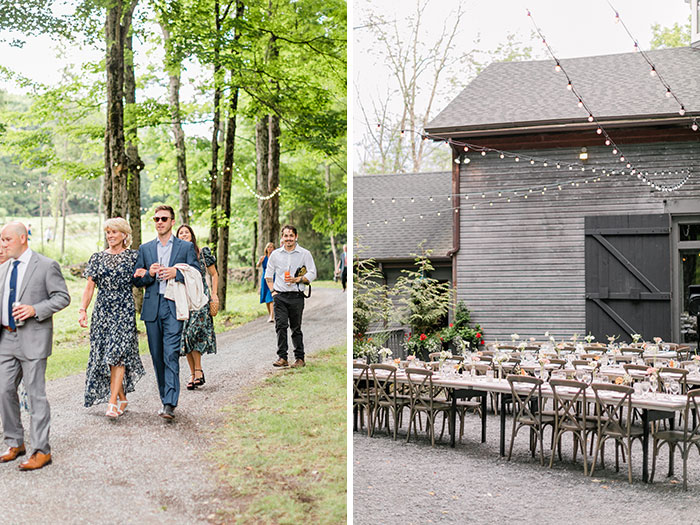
x=646, y=387
x=489, y=375
x=537, y=372
x=674, y=387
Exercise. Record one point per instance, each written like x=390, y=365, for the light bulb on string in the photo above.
x=502, y=155
x=532, y=161
x=580, y=103
x=590, y=117
x=614, y=151
x=599, y=131
x=483, y=153
x=668, y=93
x=694, y=126
x=681, y=111
x=653, y=71
x=569, y=86
x=607, y=142
x=517, y=159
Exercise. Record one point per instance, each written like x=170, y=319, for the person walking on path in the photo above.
x=154, y=267
x=198, y=336
x=292, y=268
x=342, y=269
x=114, y=366
x=265, y=293
x=32, y=289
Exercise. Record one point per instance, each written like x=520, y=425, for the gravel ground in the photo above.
x=140, y=468
x=412, y=483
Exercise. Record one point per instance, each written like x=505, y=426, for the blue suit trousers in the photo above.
x=164, y=343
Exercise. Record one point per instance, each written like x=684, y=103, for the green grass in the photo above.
x=282, y=455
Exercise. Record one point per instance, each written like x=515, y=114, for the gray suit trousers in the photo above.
x=14, y=367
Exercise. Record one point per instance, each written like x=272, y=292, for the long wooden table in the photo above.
x=652, y=406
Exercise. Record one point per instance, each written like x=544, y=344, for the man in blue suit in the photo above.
x=154, y=267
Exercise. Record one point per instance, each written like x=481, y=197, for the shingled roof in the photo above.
x=398, y=239
x=616, y=88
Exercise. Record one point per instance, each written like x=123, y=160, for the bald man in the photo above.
x=32, y=289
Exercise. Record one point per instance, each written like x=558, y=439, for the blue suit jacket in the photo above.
x=182, y=252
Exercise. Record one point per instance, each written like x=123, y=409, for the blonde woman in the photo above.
x=114, y=365
x=265, y=293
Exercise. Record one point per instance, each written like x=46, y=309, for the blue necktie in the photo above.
x=13, y=294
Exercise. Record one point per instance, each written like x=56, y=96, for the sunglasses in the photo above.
x=162, y=219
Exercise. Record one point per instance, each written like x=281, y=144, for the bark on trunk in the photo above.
x=214, y=171
x=225, y=199
x=134, y=161
x=330, y=215
x=115, y=109
x=267, y=150
x=178, y=134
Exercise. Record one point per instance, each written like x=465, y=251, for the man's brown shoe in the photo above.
x=298, y=363
x=280, y=362
x=37, y=461
x=13, y=453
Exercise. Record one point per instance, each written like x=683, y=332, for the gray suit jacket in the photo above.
x=44, y=288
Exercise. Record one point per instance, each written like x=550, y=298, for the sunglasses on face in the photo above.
x=162, y=219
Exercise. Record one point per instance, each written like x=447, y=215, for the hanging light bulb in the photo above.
x=681, y=111
x=457, y=161
x=483, y=153
x=532, y=161
x=590, y=118
x=466, y=148
x=622, y=158
x=614, y=152
x=580, y=102
x=557, y=68
x=545, y=164
x=599, y=131
x=502, y=155
x=393, y=200
x=668, y=93
x=694, y=126
x=653, y=71
x=569, y=86
x=517, y=159
x=607, y=142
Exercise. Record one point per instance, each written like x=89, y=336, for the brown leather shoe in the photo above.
x=37, y=461
x=299, y=363
x=12, y=454
x=280, y=362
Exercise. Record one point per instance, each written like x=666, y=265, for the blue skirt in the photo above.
x=265, y=293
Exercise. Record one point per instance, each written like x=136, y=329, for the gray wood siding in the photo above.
x=521, y=264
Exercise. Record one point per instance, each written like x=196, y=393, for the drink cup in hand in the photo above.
x=17, y=321
x=287, y=276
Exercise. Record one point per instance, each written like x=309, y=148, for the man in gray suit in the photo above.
x=32, y=289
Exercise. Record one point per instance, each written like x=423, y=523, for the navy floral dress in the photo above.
x=198, y=331
x=113, y=335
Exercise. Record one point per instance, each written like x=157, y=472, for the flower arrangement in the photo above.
x=445, y=354
x=385, y=353
x=514, y=337
x=635, y=338
x=657, y=340
x=589, y=338
x=624, y=380
x=365, y=349
x=574, y=338
x=612, y=338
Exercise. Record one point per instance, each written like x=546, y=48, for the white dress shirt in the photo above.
x=21, y=270
x=281, y=261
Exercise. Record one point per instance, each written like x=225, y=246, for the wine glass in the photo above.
x=646, y=386
x=537, y=372
x=674, y=387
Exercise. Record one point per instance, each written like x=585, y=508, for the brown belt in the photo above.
x=9, y=329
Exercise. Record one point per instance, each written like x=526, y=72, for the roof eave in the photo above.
x=553, y=126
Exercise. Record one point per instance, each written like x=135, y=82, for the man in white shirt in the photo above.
x=293, y=268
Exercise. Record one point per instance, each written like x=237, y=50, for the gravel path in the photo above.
x=140, y=468
x=399, y=483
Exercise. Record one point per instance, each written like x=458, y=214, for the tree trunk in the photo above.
x=214, y=171
x=173, y=65
x=330, y=216
x=225, y=199
x=115, y=109
x=64, y=199
x=134, y=162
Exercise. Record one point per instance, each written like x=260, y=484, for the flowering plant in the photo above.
x=514, y=337
x=445, y=354
x=543, y=360
x=657, y=340
x=635, y=337
x=385, y=353
x=422, y=345
x=574, y=337
x=365, y=349
x=589, y=338
x=612, y=338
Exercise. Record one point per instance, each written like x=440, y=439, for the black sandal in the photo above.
x=199, y=381
x=192, y=384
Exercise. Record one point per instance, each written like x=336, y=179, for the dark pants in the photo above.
x=344, y=277
x=288, y=309
x=164, y=343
